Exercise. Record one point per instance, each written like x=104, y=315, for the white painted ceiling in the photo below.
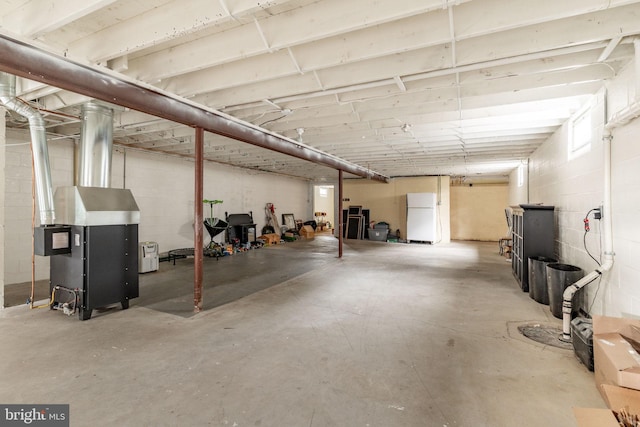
x=403, y=87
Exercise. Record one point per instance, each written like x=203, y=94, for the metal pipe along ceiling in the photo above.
x=40, y=150
x=32, y=63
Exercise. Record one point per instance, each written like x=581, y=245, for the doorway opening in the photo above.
x=323, y=207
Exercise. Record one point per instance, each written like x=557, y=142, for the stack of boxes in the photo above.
x=616, y=345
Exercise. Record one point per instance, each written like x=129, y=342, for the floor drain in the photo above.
x=547, y=335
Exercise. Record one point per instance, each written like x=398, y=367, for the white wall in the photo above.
x=163, y=187
x=575, y=186
x=622, y=288
x=18, y=203
x=388, y=202
x=477, y=212
x=164, y=190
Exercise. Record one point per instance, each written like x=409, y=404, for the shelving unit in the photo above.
x=533, y=235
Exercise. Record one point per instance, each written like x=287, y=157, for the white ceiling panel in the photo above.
x=402, y=87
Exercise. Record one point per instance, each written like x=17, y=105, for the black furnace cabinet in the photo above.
x=103, y=266
x=533, y=235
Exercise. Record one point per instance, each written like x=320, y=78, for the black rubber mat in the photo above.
x=230, y=278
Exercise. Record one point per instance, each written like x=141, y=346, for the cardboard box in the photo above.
x=270, y=239
x=616, y=361
x=593, y=417
x=307, y=232
x=616, y=398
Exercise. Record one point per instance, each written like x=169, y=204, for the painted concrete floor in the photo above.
x=389, y=335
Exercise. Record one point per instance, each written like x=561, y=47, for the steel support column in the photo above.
x=198, y=221
x=340, y=225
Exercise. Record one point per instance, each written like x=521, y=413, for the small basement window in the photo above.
x=520, y=175
x=580, y=131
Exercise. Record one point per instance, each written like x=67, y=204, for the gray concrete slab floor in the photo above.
x=389, y=335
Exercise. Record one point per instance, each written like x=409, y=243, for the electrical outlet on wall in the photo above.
x=598, y=213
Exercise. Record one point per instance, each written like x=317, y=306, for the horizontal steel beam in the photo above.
x=27, y=61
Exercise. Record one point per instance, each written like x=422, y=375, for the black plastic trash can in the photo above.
x=559, y=277
x=538, y=289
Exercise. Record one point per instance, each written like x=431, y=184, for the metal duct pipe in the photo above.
x=42, y=169
x=96, y=142
x=35, y=64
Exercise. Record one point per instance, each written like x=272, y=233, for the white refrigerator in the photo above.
x=421, y=217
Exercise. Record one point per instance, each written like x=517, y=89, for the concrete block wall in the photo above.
x=621, y=289
x=18, y=202
x=575, y=186
x=163, y=187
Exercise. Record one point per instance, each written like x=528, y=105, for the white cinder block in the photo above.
x=13, y=158
x=576, y=186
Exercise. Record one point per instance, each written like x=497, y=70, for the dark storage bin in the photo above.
x=559, y=277
x=538, y=289
x=378, y=234
x=582, y=339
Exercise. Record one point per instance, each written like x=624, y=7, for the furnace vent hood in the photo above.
x=93, y=202
x=95, y=206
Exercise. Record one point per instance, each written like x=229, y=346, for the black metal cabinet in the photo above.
x=533, y=235
x=242, y=228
